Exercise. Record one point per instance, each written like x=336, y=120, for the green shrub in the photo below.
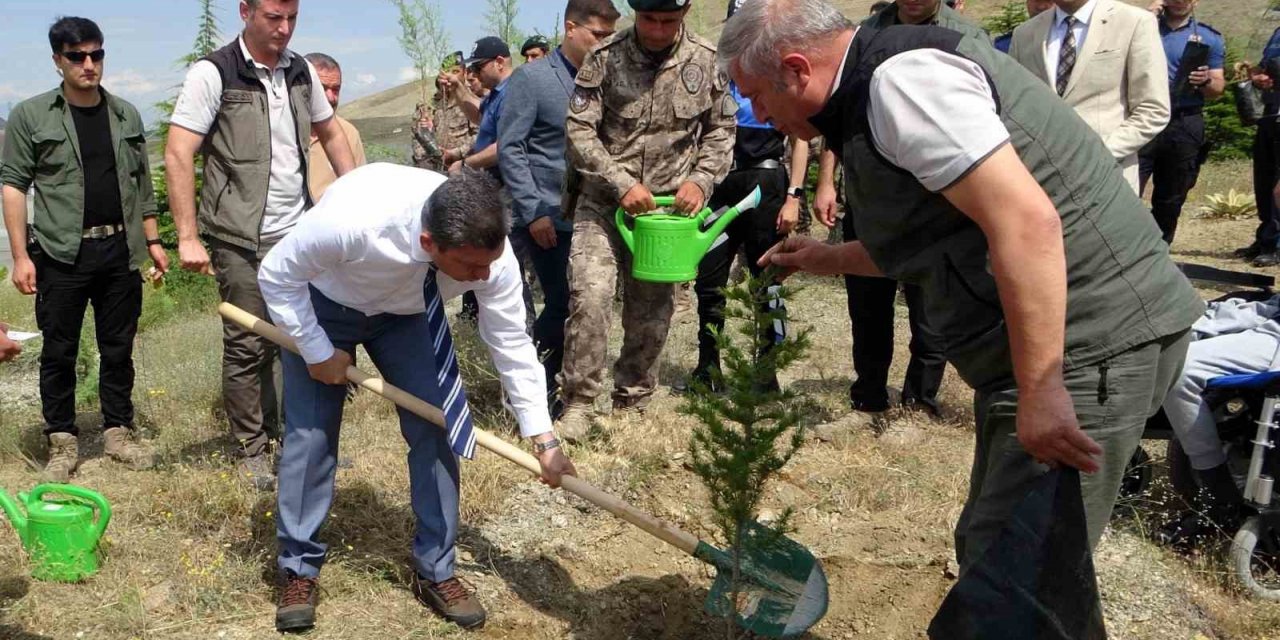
x=1010, y=15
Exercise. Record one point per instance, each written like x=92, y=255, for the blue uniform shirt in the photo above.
x=1175, y=41
x=1002, y=43
x=490, y=109
x=1271, y=98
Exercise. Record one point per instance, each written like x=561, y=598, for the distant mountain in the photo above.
x=2, y=122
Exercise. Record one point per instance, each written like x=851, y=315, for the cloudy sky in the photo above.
x=144, y=38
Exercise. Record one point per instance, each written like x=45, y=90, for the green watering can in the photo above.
x=61, y=536
x=668, y=248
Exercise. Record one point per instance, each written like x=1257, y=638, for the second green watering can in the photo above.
x=61, y=536
x=668, y=248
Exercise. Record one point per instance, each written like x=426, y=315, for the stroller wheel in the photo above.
x=1255, y=555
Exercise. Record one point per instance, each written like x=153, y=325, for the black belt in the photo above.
x=1182, y=112
x=756, y=165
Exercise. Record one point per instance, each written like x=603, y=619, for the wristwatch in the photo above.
x=543, y=447
x=796, y=192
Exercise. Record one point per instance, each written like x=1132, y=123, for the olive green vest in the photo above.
x=237, y=149
x=1122, y=288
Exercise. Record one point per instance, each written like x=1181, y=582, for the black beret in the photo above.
x=535, y=42
x=658, y=5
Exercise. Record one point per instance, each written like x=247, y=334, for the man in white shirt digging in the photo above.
x=371, y=265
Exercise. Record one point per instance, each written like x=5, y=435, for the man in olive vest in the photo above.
x=1041, y=268
x=250, y=109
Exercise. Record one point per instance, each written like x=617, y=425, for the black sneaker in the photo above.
x=1268, y=259
x=1247, y=253
x=296, y=610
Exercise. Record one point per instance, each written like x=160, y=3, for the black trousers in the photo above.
x=756, y=231
x=551, y=266
x=1266, y=170
x=870, y=302
x=101, y=276
x=1172, y=163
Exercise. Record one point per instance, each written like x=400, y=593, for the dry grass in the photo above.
x=191, y=549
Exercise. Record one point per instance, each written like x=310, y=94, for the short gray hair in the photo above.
x=465, y=212
x=760, y=30
x=323, y=61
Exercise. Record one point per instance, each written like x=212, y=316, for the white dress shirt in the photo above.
x=1053, y=47
x=359, y=246
x=197, y=108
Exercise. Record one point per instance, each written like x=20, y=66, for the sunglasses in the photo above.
x=78, y=57
x=600, y=34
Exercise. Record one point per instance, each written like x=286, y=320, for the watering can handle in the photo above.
x=104, y=509
x=620, y=217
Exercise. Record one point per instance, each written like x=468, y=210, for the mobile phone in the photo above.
x=1194, y=56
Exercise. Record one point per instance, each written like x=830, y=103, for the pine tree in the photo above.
x=208, y=37
x=1011, y=14
x=422, y=38
x=751, y=429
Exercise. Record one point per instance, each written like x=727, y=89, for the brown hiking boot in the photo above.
x=574, y=423
x=64, y=457
x=119, y=445
x=296, y=610
x=453, y=599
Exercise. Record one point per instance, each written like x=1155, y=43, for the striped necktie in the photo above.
x=1067, y=57
x=457, y=415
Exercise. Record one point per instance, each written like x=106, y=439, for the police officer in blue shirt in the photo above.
x=1266, y=163
x=758, y=161
x=1171, y=162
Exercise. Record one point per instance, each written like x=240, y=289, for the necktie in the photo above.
x=1067, y=57
x=457, y=415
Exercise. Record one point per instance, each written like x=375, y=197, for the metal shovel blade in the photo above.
x=782, y=589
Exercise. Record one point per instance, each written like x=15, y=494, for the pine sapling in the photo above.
x=750, y=426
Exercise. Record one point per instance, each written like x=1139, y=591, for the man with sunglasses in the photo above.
x=531, y=159
x=650, y=114
x=83, y=150
x=490, y=62
x=249, y=109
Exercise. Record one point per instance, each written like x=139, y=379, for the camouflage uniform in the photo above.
x=453, y=129
x=426, y=152
x=633, y=119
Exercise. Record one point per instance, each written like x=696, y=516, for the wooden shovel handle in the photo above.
x=663, y=531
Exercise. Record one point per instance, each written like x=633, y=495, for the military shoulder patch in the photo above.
x=692, y=76
x=579, y=100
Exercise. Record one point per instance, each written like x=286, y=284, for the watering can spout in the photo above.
x=14, y=514
x=708, y=237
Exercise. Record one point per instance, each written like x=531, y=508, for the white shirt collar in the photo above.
x=835, y=86
x=1084, y=14
x=248, y=57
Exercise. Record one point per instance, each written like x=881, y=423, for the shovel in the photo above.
x=783, y=590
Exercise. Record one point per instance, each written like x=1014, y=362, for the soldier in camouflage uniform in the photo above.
x=455, y=133
x=650, y=115
x=426, y=153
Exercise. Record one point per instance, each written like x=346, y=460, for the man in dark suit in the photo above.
x=531, y=157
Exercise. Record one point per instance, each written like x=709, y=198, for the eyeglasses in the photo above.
x=77, y=57
x=600, y=34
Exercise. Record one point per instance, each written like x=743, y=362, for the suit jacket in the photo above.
x=531, y=139
x=1120, y=84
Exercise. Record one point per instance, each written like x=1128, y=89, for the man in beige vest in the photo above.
x=1106, y=60
x=320, y=172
